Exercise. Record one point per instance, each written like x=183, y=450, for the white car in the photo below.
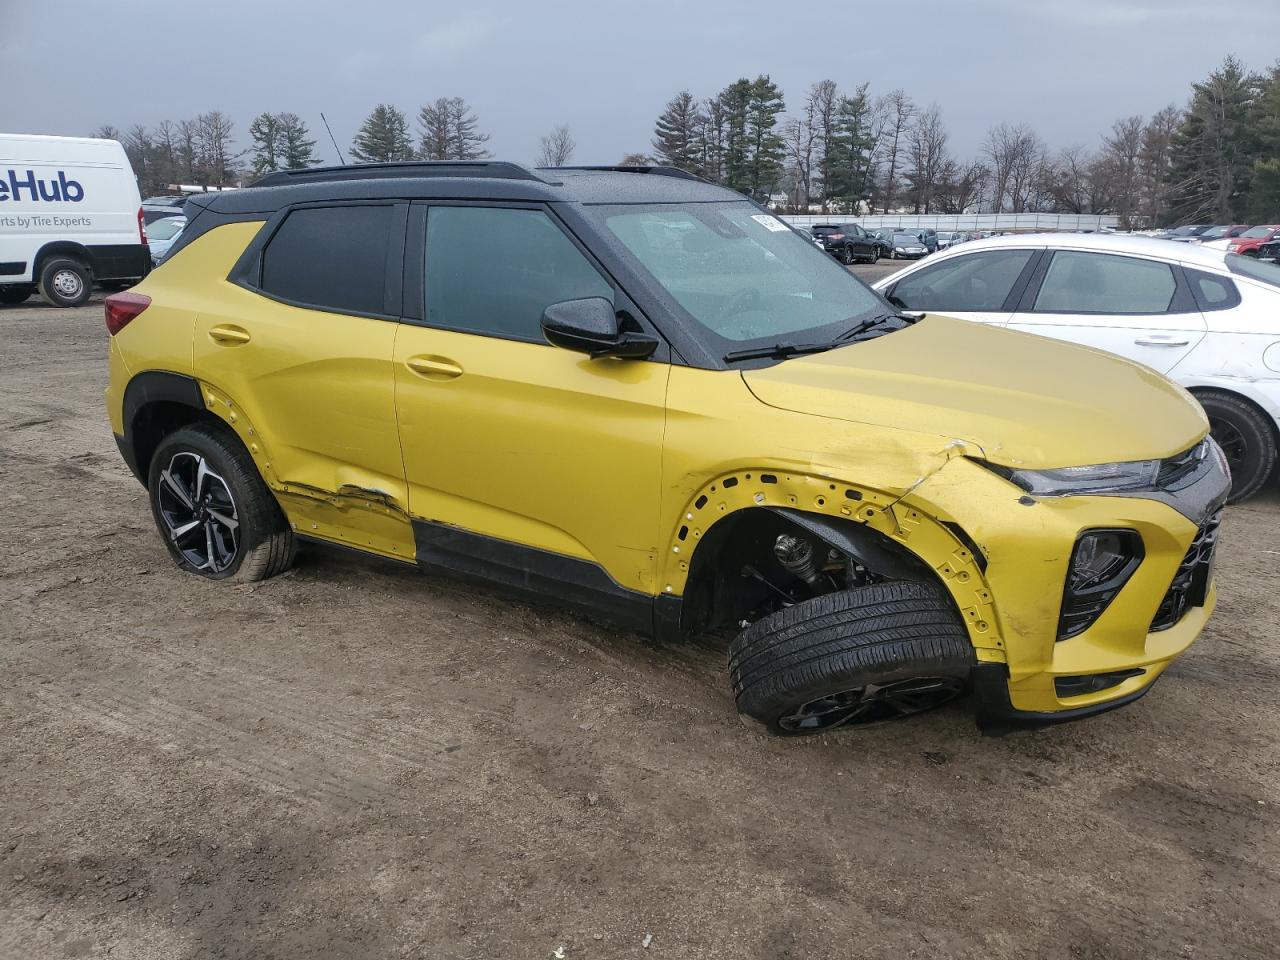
x=1206, y=320
x=163, y=234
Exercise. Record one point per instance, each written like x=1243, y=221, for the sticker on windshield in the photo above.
x=769, y=223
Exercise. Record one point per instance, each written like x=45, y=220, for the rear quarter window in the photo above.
x=330, y=258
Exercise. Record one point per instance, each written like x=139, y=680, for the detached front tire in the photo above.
x=1247, y=437
x=875, y=653
x=215, y=514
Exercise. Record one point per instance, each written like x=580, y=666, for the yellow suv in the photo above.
x=638, y=394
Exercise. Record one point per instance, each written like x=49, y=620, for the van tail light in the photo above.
x=142, y=227
x=123, y=307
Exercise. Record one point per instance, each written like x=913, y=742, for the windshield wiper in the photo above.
x=778, y=351
x=864, y=325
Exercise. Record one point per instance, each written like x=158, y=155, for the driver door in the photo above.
x=982, y=286
x=527, y=463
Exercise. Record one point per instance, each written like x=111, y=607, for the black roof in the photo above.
x=477, y=180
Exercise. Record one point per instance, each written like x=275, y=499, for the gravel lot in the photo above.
x=354, y=761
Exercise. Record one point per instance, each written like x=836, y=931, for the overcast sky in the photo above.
x=1068, y=67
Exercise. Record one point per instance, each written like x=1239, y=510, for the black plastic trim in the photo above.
x=1137, y=552
x=13, y=268
x=119, y=261
x=153, y=386
x=532, y=572
x=997, y=716
x=487, y=169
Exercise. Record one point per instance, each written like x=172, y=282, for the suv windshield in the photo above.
x=1255, y=269
x=741, y=275
x=1256, y=232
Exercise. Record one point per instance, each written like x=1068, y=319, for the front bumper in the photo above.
x=1025, y=676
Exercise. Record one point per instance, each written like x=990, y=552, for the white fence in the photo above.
x=1017, y=222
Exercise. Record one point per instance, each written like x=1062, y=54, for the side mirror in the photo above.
x=593, y=327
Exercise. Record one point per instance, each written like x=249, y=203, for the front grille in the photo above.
x=1191, y=583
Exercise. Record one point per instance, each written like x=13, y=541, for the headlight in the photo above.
x=1098, y=478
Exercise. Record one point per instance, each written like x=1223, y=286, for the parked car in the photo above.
x=907, y=246
x=1270, y=252
x=1213, y=325
x=162, y=234
x=71, y=217
x=947, y=238
x=661, y=406
x=1249, y=243
x=1185, y=234
x=1221, y=233
x=847, y=242
x=929, y=237
x=157, y=208
x=883, y=238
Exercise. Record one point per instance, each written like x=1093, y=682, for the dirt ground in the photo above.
x=354, y=761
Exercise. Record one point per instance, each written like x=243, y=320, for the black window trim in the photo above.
x=1233, y=300
x=1182, y=301
x=247, y=272
x=415, y=271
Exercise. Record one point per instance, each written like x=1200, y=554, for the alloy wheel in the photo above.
x=199, y=513
x=872, y=703
x=1233, y=443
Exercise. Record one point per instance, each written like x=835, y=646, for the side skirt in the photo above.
x=578, y=584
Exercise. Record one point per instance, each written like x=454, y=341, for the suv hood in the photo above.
x=1025, y=400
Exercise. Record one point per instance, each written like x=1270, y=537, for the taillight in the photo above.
x=835, y=236
x=123, y=307
x=142, y=227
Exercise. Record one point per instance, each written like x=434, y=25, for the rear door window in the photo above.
x=331, y=258
x=1079, y=282
x=977, y=283
x=493, y=270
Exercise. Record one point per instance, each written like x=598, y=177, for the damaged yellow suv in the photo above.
x=632, y=392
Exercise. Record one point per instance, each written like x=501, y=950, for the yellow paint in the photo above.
x=360, y=425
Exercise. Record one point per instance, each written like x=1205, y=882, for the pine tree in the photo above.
x=1264, y=193
x=677, y=134
x=267, y=143
x=848, y=160
x=383, y=137
x=765, y=145
x=448, y=130
x=1211, y=150
x=297, y=151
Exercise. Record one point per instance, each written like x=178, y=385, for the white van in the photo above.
x=70, y=216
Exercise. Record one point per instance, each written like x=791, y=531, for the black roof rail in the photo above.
x=656, y=170
x=492, y=169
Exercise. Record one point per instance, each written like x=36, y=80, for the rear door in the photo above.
x=1135, y=307
x=983, y=285
x=300, y=347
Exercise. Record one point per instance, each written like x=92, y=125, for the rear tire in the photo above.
x=846, y=256
x=16, y=293
x=215, y=514
x=65, y=282
x=858, y=656
x=1248, y=438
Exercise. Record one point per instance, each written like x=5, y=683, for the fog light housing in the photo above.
x=1101, y=564
x=1092, y=682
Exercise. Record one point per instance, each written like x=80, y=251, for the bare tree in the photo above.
x=898, y=111
x=928, y=157
x=802, y=136
x=1121, y=155
x=1154, y=162
x=556, y=148
x=215, y=162
x=636, y=160
x=1017, y=158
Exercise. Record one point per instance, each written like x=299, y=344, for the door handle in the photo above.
x=434, y=368
x=1160, y=340
x=228, y=334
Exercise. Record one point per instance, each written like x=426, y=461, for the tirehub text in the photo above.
x=54, y=190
